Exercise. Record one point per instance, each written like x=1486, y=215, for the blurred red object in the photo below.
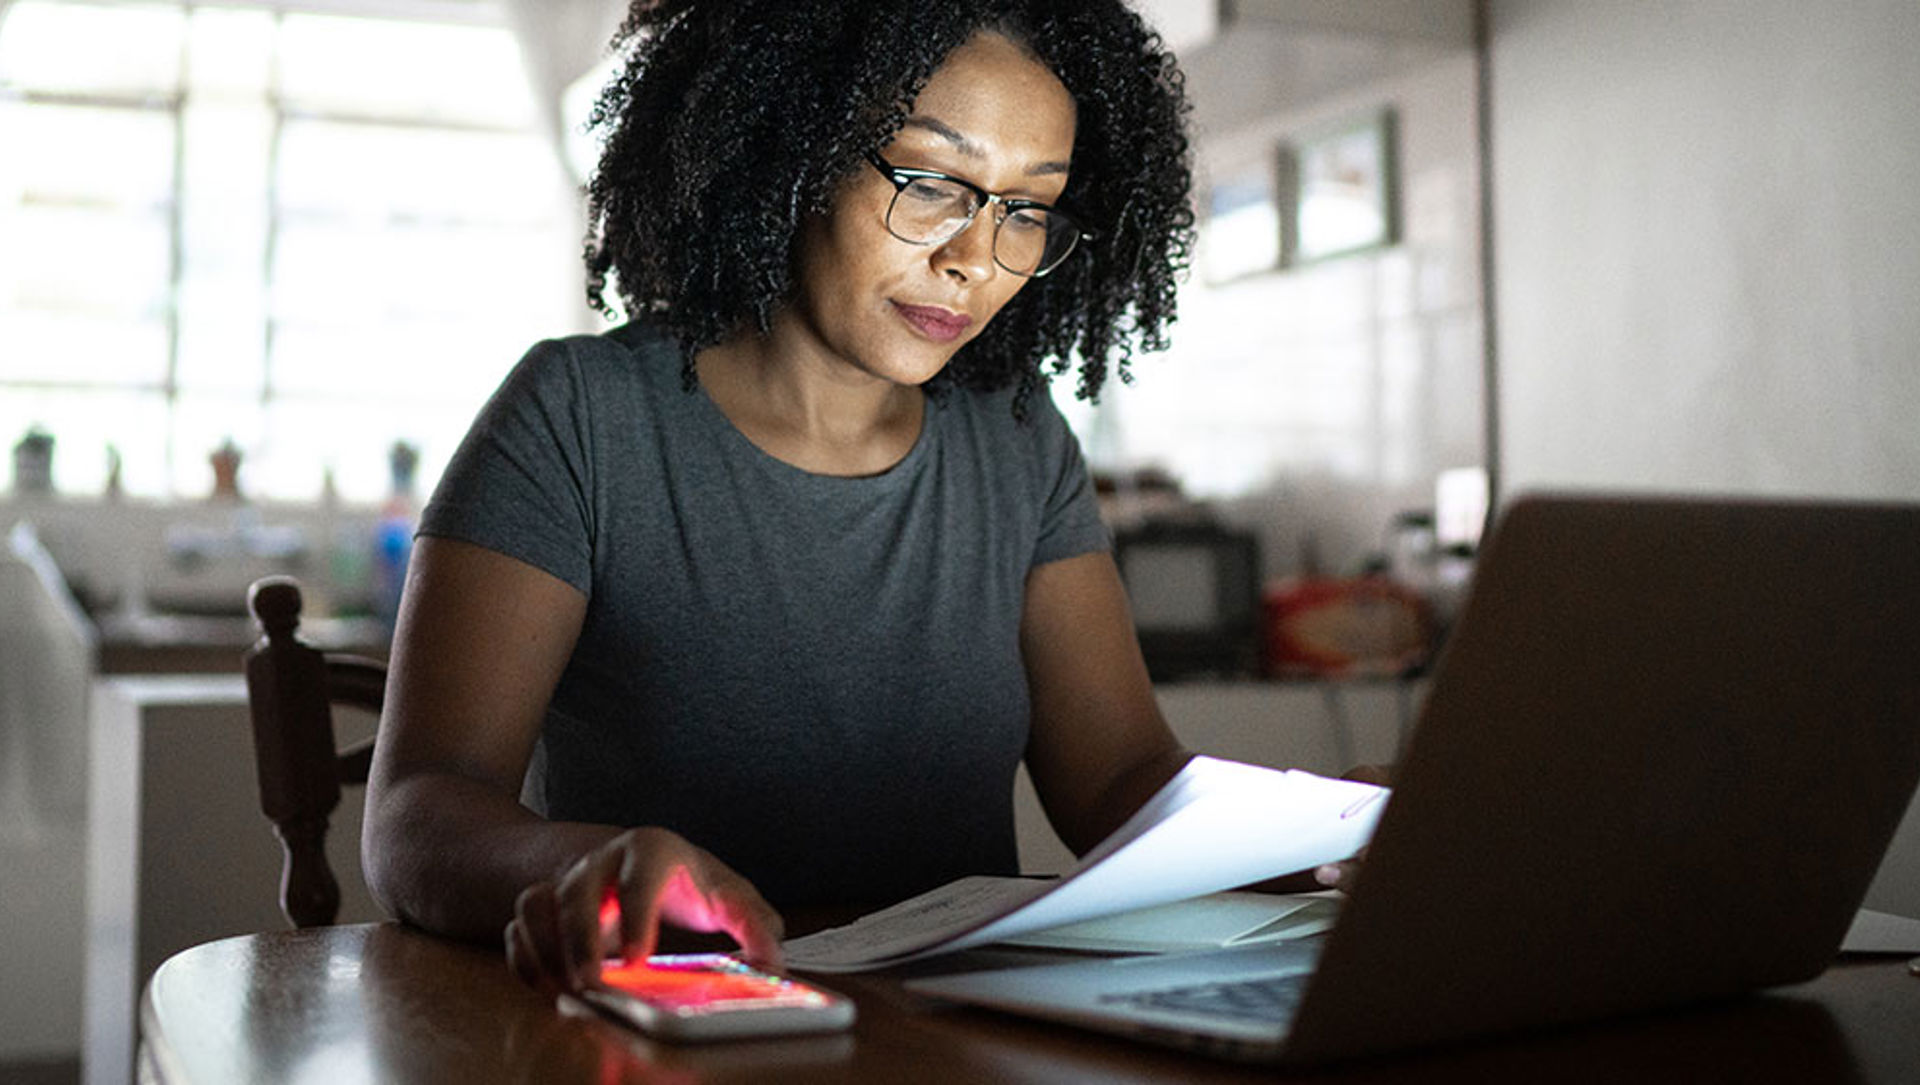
x=1326, y=627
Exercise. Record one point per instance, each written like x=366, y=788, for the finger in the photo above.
x=1381, y=775
x=642, y=880
x=736, y=907
x=759, y=930
x=534, y=941
x=699, y=892
x=578, y=903
x=730, y=903
x=610, y=916
x=524, y=961
x=754, y=924
x=665, y=879
x=1337, y=875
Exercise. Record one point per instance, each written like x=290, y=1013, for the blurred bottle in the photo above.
x=1413, y=551
x=393, y=532
x=113, y=491
x=225, y=461
x=33, y=463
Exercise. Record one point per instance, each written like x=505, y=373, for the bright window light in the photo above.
x=53, y=47
x=311, y=234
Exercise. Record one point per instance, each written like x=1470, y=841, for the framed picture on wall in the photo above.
x=1343, y=189
x=1241, y=235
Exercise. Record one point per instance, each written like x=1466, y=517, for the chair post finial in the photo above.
x=275, y=603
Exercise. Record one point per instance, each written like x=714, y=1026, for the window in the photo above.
x=313, y=234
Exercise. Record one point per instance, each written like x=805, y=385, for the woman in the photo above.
x=772, y=589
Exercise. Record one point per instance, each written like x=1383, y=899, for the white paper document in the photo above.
x=1214, y=921
x=1216, y=825
x=1879, y=932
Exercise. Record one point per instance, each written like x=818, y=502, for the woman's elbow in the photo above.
x=395, y=835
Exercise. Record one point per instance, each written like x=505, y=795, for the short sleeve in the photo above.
x=1070, y=522
x=521, y=482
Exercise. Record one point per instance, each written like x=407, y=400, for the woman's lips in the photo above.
x=937, y=324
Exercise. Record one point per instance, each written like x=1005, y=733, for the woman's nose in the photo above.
x=969, y=253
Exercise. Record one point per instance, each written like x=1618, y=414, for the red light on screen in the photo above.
x=703, y=982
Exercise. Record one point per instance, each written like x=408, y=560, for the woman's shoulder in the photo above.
x=638, y=339
x=634, y=341
x=633, y=355
x=1003, y=413
x=1030, y=437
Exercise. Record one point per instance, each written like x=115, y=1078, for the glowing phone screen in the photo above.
x=706, y=981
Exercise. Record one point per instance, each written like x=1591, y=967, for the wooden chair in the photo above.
x=291, y=690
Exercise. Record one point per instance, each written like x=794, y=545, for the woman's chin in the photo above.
x=917, y=367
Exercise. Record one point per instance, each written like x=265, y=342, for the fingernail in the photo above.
x=1327, y=875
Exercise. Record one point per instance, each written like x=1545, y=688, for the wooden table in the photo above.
x=385, y=1003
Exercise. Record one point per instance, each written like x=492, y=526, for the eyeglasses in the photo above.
x=928, y=208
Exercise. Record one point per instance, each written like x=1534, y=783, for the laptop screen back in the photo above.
x=1663, y=754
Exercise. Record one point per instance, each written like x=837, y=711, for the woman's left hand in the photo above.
x=1340, y=875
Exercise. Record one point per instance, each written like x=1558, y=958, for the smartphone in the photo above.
x=711, y=996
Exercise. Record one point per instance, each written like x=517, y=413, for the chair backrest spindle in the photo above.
x=291, y=690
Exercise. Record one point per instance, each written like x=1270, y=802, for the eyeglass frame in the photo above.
x=902, y=176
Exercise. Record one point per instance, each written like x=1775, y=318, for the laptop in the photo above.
x=1663, y=753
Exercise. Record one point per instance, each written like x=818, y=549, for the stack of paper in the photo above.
x=1215, y=921
x=1216, y=825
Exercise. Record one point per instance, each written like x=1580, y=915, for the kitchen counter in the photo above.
x=161, y=643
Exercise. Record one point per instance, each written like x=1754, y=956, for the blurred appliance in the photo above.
x=1195, y=593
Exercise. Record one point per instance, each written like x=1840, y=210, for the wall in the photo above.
x=1708, y=253
x=1708, y=244
x=1315, y=403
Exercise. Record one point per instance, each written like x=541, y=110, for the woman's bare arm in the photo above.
x=1099, y=747
x=479, y=648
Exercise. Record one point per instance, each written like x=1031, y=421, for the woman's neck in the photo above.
x=806, y=408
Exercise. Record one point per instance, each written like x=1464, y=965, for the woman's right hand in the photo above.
x=611, y=902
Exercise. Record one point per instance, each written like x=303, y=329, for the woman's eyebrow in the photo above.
x=971, y=149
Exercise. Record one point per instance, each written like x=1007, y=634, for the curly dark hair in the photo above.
x=732, y=120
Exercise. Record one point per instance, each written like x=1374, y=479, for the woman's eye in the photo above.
x=1027, y=221
x=924, y=190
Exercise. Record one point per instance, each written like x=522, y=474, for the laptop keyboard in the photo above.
x=1271, y=999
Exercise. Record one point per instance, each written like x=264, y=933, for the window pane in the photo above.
x=384, y=68
x=223, y=338
x=89, y=48
x=83, y=424
x=450, y=364
x=224, y=171
x=323, y=274
x=223, y=327
x=309, y=436
x=368, y=229
x=229, y=52
x=86, y=260
x=388, y=173
x=37, y=346
x=86, y=154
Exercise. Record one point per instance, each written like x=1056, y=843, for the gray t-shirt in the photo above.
x=818, y=679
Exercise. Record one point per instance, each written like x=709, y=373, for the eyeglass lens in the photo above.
x=1029, y=241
